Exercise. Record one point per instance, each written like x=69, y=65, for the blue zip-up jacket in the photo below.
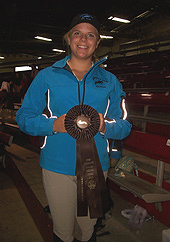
x=55, y=89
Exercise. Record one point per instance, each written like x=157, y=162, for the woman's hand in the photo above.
x=58, y=125
x=102, y=124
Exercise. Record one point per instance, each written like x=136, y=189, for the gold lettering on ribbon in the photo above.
x=89, y=165
x=82, y=189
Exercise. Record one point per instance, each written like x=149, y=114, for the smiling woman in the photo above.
x=85, y=36
x=82, y=38
x=63, y=104
x=83, y=41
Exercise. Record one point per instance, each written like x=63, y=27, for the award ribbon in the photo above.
x=82, y=122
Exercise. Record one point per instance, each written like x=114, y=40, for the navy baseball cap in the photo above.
x=85, y=18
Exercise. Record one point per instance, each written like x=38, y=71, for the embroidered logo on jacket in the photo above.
x=100, y=83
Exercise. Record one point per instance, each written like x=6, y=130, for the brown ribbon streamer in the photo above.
x=82, y=123
x=91, y=185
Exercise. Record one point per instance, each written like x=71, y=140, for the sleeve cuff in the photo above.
x=51, y=126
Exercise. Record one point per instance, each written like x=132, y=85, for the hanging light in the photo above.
x=106, y=37
x=57, y=50
x=42, y=38
x=119, y=19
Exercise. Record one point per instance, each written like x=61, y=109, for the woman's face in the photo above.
x=83, y=40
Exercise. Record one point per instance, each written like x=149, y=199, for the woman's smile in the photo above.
x=82, y=46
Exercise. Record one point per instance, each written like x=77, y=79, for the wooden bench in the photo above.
x=156, y=147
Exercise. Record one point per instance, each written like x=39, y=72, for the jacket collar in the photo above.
x=63, y=62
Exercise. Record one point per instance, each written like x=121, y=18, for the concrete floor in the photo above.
x=17, y=225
